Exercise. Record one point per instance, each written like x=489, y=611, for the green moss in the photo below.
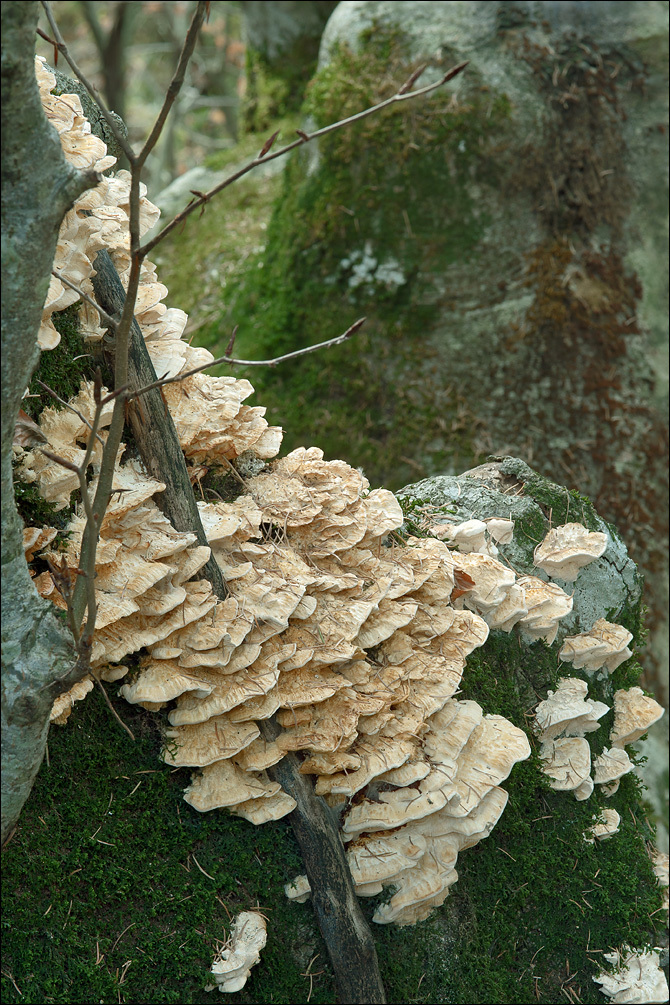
x=63, y=368
x=276, y=90
x=393, y=192
x=559, y=504
x=107, y=874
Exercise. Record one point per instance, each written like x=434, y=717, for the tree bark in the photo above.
x=38, y=188
x=152, y=425
x=345, y=931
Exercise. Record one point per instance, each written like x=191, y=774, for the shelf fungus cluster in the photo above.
x=564, y=718
x=636, y=977
x=356, y=650
x=355, y=643
x=414, y=819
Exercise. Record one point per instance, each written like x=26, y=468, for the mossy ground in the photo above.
x=117, y=890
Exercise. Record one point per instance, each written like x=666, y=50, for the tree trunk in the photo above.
x=38, y=188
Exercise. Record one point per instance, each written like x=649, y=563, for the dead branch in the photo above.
x=104, y=316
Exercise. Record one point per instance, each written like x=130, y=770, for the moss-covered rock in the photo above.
x=120, y=889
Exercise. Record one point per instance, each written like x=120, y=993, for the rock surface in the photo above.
x=506, y=239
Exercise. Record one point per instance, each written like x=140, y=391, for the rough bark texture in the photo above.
x=152, y=425
x=38, y=188
x=344, y=929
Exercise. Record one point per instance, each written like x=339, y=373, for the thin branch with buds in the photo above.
x=338, y=340
x=404, y=93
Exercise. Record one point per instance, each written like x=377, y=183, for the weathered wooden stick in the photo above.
x=152, y=425
x=345, y=931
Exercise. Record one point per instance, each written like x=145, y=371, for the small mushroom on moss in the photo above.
x=242, y=951
x=604, y=827
x=634, y=713
x=605, y=645
x=567, y=549
x=567, y=762
x=298, y=890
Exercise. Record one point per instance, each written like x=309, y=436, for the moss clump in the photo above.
x=63, y=368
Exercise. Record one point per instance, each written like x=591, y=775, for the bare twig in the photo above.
x=351, y=330
x=303, y=137
x=176, y=82
x=104, y=316
x=111, y=708
x=93, y=91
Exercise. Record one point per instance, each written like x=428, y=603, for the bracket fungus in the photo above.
x=567, y=711
x=354, y=641
x=567, y=549
x=605, y=645
x=634, y=713
x=232, y=965
x=546, y=604
x=567, y=762
x=63, y=705
x=609, y=767
x=637, y=979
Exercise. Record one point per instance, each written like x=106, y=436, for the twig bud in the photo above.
x=268, y=145
x=409, y=83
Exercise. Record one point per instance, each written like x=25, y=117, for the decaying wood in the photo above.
x=338, y=912
x=152, y=425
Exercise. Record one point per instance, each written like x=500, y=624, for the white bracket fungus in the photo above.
x=298, y=890
x=567, y=711
x=638, y=978
x=567, y=549
x=634, y=713
x=64, y=703
x=242, y=951
x=567, y=762
x=609, y=767
x=547, y=603
x=605, y=645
